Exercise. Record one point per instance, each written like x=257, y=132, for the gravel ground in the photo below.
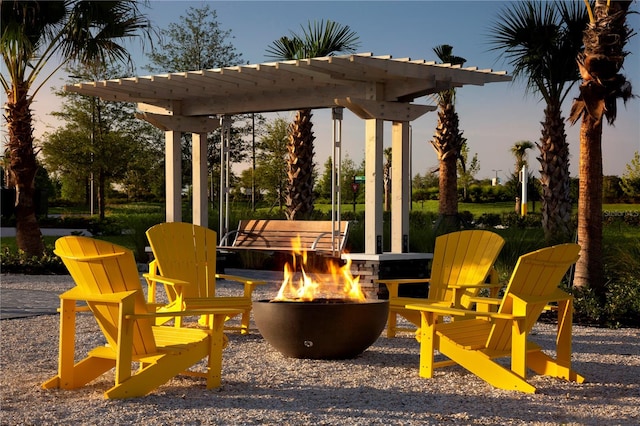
x=260, y=386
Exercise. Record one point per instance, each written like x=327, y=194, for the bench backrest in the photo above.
x=314, y=235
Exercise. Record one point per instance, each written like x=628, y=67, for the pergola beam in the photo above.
x=390, y=111
x=180, y=123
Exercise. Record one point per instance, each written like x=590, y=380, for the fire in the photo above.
x=339, y=283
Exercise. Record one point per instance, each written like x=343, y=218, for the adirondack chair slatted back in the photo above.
x=463, y=257
x=186, y=251
x=100, y=267
x=536, y=275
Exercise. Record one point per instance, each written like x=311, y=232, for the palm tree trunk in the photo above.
x=447, y=142
x=300, y=198
x=589, y=268
x=554, y=177
x=602, y=85
x=448, y=186
x=22, y=168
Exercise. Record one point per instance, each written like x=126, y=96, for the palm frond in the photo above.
x=323, y=38
x=540, y=41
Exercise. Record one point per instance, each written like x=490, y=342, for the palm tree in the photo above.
x=602, y=84
x=33, y=33
x=318, y=39
x=386, y=179
x=519, y=150
x=540, y=40
x=447, y=142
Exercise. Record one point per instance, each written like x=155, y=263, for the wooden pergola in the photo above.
x=375, y=88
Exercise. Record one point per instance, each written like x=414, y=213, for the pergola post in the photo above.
x=199, y=179
x=225, y=146
x=400, y=187
x=173, y=176
x=336, y=177
x=373, y=178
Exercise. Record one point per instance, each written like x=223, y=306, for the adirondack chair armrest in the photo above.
x=480, y=286
x=439, y=309
x=557, y=296
x=164, y=280
x=77, y=294
x=486, y=300
x=89, y=258
x=239, y=279
x=444, y=310
x=248, y=284
x=187, y=313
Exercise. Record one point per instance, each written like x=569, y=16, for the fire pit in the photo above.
x=321, y=329
x=320, y=317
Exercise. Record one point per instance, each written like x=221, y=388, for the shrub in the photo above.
x=17, y=262
x=489, y=219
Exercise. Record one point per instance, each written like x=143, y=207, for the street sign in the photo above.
x=358, y=179
x=355, y=187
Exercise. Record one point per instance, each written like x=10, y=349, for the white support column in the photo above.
x=336, y=178
x=373, y=192
x=225, y=143
x=173, y=176
x=199, y=178
x=400, y=187
x=524, y=201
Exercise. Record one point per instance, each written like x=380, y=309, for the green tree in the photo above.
x=600, y=63
x=271, y=159
x=198, y=41
x=447, y=142
x=323, y=186
x=541, y=40
x=467, y=170
x=630, y=182
x=348, y=170
x=101, y=140
x=318, y=39
x=33, y=34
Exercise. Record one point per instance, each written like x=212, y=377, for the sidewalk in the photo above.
x=7, y=231
x=24, y=296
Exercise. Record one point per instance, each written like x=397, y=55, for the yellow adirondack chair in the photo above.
x=476, y=342
x=462, y=261
x=107, y=279
x=185, y=263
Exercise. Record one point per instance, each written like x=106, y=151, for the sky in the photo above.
x=492, y=117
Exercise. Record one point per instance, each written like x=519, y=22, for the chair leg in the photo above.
x=426, y=337
x=545, y=365
x=217, y=344
x=246, y=316
x=392, y=323
x=82, y=373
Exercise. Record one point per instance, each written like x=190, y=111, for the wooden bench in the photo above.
x=278, y=235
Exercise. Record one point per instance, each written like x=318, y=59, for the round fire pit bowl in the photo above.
x=321, y=329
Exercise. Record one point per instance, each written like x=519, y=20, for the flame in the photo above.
x=339, y=283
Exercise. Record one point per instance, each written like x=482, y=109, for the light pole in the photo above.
x=496, y=181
